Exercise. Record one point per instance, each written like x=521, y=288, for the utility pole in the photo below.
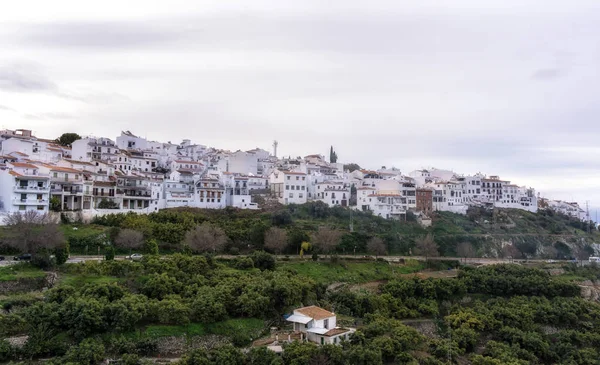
x=587, y=209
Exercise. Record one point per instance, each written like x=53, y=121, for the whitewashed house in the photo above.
x=319, y=325
x=288, y=186
x=333, y=193
x=210, y=193
x=23, y=187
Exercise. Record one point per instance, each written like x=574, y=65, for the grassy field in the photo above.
x=349, y=272
x=19, y=271
x=247, y=327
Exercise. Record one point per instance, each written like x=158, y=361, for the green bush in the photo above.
x=263, y=260
x=109, y=253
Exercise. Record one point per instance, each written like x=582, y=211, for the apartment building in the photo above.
x=289, y=186
x=23, y=187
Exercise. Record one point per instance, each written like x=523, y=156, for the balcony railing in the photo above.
x=137, y=194
x=31, y=188
x=30, y=201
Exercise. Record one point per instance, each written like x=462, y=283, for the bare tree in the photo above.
x=32, y=232
x=276, y=239
x=510, y=252
x=376, y=246
x=205, y=238
x=326, y=239
x=426, y=246
x=465, y=250
x=129, y=238
x=583, y=253
x=28, y=217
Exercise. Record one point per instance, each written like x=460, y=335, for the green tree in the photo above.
x=107, y=204
x=89, y=352
x=109, y=253
x=333, y=157
x=207, y=308
x=263, y=260
x=62, y=253
x=151, y=247
x=351, y=167
x=67, y=139
x=55, y=204
x=263, y=356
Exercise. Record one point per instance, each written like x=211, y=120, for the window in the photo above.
x=288, y=177
x=299, y=196
x=39, y=197
x=40, y=207
x=303, y=178
x=21, y=207
x=297, y=177
x=291, y=195
x=287, y=187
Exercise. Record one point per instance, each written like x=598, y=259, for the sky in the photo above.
x=502, y=87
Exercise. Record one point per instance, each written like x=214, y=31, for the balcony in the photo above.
x=135, y=194
x=67, y=190
x=17, y=201
x=31, y=188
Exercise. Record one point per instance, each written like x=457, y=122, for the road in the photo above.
x=392, y=259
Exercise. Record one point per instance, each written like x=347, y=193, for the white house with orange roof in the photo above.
x=69, y=186
x=23, y=187
x=319, y=325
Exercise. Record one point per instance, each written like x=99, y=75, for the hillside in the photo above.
x=543, y=234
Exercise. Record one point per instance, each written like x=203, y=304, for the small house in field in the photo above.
x=319, y=325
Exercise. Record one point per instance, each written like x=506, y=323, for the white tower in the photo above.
x=275, y=143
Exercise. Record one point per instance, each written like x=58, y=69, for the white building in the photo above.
x=23, y=187
x=333, y=193
x=288, y=186
x=129, y=141
x=319, y=325
x=210, y=193
x=88, y=149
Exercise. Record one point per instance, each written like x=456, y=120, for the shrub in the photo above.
x=243, y=263
x=110, y=253
x=263, y=260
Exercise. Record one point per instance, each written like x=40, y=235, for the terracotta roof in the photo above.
x=14, y=173
x=19, y=153
x=292, y=173
x=365, y=188
x=24, y=165
x=78, y=162
x=335, y=332
x=64, y=169
x=315, y=312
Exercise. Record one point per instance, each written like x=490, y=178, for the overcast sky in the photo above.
x=507, y=87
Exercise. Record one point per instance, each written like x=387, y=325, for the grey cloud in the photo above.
x=50, y=115
x=4, y=107
x=99, y=35
x=547, y=74
x=24, y=78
